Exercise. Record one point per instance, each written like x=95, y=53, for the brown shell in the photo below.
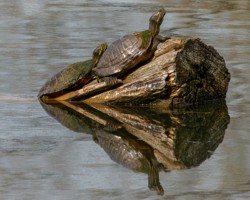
x=123, y=54
x=72, y=77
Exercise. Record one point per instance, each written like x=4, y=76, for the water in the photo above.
x=42, y=159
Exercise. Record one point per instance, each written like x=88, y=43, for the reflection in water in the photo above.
x=40, y=160
x=148, y=140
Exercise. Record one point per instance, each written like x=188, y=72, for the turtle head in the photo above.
x=97, y=53
x=155, y=22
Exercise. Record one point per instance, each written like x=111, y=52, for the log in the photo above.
x=183, y=71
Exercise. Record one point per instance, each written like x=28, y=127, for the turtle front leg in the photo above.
x=98, y=79
x=161, y=38
x=157, y=40
x=111, y=80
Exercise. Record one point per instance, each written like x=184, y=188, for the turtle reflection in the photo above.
x=149, y=140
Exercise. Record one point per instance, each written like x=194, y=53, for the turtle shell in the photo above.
x=72, y=77
x=124, y=54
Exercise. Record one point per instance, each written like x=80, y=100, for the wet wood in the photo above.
x=183, y=71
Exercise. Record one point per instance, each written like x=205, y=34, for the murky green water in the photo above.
x=43, y=158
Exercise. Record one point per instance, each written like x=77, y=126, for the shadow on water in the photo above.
x=148, y=140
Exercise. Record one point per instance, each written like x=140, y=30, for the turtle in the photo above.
x=72, y=77
x=130, y=50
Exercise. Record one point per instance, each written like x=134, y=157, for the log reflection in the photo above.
x=148, y=140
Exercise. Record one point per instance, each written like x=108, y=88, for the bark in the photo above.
x=183, y=71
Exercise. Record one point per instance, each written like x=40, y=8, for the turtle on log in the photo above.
x=130, y=50
x=72, y=77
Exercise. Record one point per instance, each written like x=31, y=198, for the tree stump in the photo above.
x=183, y=71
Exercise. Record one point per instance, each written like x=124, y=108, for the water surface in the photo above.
x=43, y=159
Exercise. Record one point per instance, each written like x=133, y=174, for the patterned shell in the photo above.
x=121, y=151
x=73, y=76
x=123, y=54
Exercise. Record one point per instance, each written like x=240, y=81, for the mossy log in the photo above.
x=183, y=71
